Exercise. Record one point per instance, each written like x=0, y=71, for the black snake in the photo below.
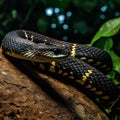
x=83, y=64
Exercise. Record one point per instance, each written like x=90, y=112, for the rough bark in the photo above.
x=28, y=94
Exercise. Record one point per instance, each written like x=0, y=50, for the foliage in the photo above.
x=107, y=30
x=103, y=39
x=86, y=17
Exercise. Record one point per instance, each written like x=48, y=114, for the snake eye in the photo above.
x=57, y=51
x=60, y=52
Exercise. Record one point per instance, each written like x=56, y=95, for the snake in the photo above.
x=82, y=64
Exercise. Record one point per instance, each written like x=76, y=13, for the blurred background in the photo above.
x=68, y=20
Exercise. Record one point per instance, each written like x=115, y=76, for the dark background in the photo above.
x=81, y=18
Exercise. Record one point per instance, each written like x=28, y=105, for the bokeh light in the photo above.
x=61, y=18
x=65, y=26
x=53, y=25
x=49, y=11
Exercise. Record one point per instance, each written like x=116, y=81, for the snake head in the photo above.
x=55, y=53
x=45, y=53
x=50, y=54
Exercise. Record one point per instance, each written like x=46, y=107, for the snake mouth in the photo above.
x=50, y=55
x=44, y=54
x=55, y=53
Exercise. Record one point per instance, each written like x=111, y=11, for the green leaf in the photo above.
x=105, y=43
x=108, y=29
x=116, y=61
x=14, y=13
x=108, y=44
x=108, y=111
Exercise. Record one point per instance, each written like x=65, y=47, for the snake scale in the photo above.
x=83, y=64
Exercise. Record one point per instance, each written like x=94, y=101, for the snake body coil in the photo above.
x=79, y=66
